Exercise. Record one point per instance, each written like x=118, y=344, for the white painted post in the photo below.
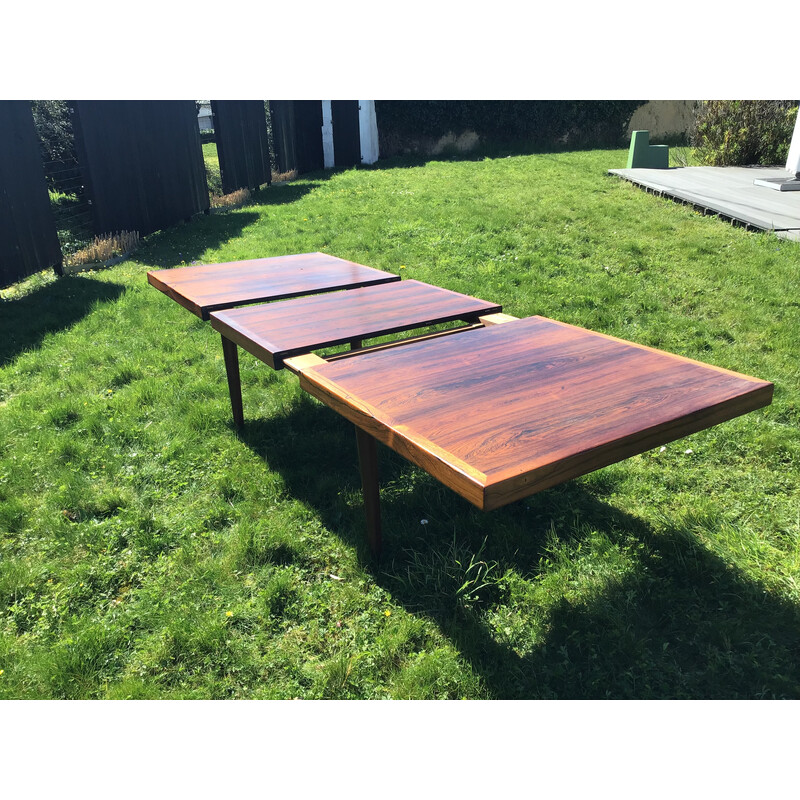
x=793, y=161
x=368, y=131
x=327, y=134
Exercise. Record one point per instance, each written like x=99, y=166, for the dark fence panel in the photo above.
x=283, y=137
x=142, y=162
x=297, y=134
x=308, y=131
x=240, y=127
x=346, y=135
x=28, y=239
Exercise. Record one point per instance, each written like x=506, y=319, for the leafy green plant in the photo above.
x=744, y=132
x=53, y=123
x=54, y=127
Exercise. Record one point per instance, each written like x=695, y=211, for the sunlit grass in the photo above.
x=147, y=551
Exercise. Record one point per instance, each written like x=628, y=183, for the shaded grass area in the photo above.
x=149, y=551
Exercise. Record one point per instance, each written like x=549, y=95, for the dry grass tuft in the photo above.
x=280, y=177
x=237, y=198
x=105, y=247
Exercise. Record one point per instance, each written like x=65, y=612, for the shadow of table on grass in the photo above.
x=26, y=320
x=678, y=623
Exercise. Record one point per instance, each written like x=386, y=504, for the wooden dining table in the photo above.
x=496, y=409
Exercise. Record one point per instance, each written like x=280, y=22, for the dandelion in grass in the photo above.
x=229, y=613
x=387, y=613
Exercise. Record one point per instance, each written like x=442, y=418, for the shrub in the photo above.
x=744, y=132
x=57, y=145
x=54, y=127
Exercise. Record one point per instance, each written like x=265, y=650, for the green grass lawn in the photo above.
x=147, y=551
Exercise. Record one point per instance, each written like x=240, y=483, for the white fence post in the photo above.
x=793, y=161
x=368, y=131
x=327, y=135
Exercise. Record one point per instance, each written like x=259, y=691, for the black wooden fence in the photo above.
x=142, y=162
x=28, y=240
x=137, y=165
x=297, y=134
x=346, y=133
x=308, y=133
x=282, y=115
x=240, y=129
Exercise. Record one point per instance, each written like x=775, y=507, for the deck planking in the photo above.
x=729, y=192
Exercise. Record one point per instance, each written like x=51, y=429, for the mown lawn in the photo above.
x=147, y=551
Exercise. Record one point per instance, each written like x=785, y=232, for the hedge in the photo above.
x=542, y=123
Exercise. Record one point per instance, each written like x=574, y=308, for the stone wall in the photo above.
x=665, y=119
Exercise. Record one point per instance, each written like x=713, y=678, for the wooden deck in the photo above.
x=728, y=192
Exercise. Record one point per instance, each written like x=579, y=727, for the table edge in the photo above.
x=454, y=473
x=272, y=354
x=505, y=488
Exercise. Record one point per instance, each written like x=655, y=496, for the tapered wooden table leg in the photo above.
x=231, y=353
x=368, y=463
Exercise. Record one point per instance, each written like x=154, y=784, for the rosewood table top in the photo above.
x=209, y=287
x=498, y=413
x=275, y=331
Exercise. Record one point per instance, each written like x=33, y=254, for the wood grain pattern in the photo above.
x=502, y=412
x=205, y=288
x=276, y=331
